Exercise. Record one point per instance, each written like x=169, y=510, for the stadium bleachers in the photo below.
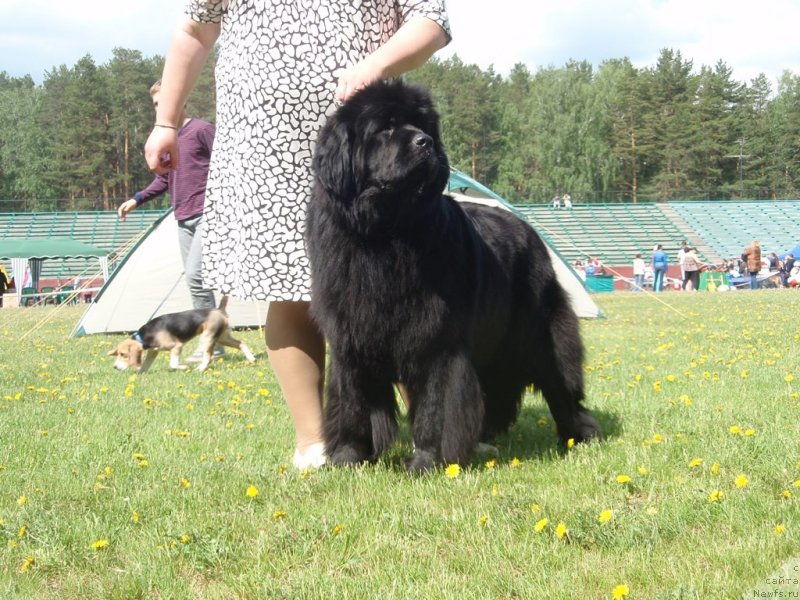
x=102, y=229
x=613, y=232
x=729, y=227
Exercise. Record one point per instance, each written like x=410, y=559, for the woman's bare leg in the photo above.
x=296, y=351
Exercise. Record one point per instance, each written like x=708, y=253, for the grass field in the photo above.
x=178, y=485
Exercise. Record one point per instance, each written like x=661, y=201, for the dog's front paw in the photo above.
x=584, y=428
x=181, y=367
x=421, y=461
x=345, y=456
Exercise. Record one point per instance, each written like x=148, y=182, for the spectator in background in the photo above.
x=578, y=266
x=4, y=283
x=691, y=270
x=681, y=254
x=786, y=268
x=187, y=190
x=567, y=201
x=794, y=275
x=638, y=273
x=659, y=263
x=556, y=202
x=773, y=264
x=752, y=256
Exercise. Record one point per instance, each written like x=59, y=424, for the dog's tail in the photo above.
x=223, y=304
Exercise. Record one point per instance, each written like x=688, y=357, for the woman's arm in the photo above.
x=191, y=44
x=412, y=45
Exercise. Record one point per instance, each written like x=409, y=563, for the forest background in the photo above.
x=615, y=133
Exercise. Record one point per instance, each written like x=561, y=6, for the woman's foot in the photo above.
x=312, y=457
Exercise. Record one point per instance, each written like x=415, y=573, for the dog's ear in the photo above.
x=135, y=359
x=112, y=352
x=333, y=167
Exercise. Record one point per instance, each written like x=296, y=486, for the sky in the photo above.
x=39, y=35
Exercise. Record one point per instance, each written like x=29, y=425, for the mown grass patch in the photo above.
x=178, y=485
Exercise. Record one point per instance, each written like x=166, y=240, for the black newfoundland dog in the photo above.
x=456, y=301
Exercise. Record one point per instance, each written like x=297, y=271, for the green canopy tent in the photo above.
x=30, y=252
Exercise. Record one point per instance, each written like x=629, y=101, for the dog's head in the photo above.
x=380, y=154
x=129, y=354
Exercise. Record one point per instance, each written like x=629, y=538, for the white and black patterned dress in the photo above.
x=276, y=72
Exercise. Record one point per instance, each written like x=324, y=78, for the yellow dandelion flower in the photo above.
x=23, y=531
x=495, y=490
x=306, y=473
x=715, y=468
x=796, y=483
x=278, y=514
x=741, y=481
x=651, y=510
x=452, y=471
x=695, y=462
x=605, y=516
x=750, y=432
x=252, y=491
x=744, y=374
x=657, y=438
x=735, y=430
x=22, y=500
x=144, y=463
x=337, y=529
x=482, y=520
x=185, y=539
x=642, y=470
x=561, y=530
x=515, y=462
x=715, y=496
x=536, y=509
x=185, y=483
x=789, y=378
x=623, y=479
x=540, y=525
x=779, y=529
x=27, y=563
x=490, y=464
x=786, y=494
x=620, y=591
x=138, y=455
x=135, y=517
x=570, y=442
x=100, y=544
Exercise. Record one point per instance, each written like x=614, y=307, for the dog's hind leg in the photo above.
x=446, y=413
x=559, y=375
x=226, y=339
x=360, y=415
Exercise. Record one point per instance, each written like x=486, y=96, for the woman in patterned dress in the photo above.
x=282, y=66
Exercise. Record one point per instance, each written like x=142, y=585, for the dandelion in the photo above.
x=561, y=530
x=715, y=496
x=796, y=483
x=482, y=520
x=27, y=563
x=337, y=529
x=779, y=529
x=789, y=378
x=306, y=473
x=490, y=464
x=744, y=374
x=536, y=509
x=750, y=432
x=570, y=442
x=620, y=591
x=657, y=438
x=144, y=463
x=495, y=490
x=695, y=462
x=135, y=517
x=23, y=531
x=715, y=468
x=642, y=470
x=100, y=544
x=605, y=516
x=623, y=479
x=741, y=481
x=22, y=500
x=452, y=471
x=278, y=514
x=786, y=494
x=185, y=539
x=735, y=430
x=540, y=525
x=185, y=483
x=252, y=491
x=515, y=462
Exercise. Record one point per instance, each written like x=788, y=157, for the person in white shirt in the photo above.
x=638, y=273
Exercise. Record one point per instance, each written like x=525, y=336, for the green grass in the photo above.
x=667, y=383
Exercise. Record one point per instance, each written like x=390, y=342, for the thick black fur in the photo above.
x=182, y=326
x=458, y=302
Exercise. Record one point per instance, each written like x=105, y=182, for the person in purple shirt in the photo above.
x=187, y=188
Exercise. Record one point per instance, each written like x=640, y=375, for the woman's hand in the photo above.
x=161, y=150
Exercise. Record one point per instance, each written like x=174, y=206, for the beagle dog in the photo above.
x=171, y=332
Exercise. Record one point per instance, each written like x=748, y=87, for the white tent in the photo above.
x=149, y=282
x=465, y=189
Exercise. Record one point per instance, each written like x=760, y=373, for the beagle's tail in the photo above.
x=223, y=304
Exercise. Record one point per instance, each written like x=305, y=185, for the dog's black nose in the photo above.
x=422, y=140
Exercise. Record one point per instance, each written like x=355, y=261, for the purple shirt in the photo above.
x=187, y=183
